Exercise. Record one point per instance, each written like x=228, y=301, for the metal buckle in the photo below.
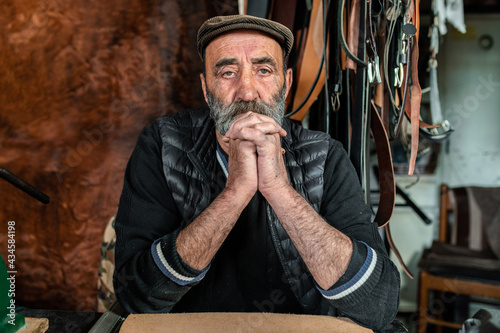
x=374, y=71
x=398, y=76
x=335, y=101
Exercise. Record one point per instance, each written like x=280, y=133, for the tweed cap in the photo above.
x=219, y=25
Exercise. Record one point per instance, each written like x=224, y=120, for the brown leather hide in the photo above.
x=79, y=80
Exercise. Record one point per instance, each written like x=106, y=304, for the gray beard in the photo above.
x=223, y=115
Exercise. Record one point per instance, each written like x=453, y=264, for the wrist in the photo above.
x=237, y=197
x=278, y=193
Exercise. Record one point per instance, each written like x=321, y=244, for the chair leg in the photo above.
x=423, y=302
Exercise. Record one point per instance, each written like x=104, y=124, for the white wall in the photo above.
x=469, y=83
x=470, y=88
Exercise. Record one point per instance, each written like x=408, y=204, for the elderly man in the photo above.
x=235, y=209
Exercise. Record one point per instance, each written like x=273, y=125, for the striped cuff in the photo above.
x=221, y=158
x=170, y=263
x=358, y=282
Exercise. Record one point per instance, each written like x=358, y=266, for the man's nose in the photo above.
x=247, y=90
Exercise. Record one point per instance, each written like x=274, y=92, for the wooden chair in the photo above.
x=451, y=268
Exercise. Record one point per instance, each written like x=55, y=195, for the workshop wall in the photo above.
x=469, y=77
x=79, y=80
x=472, y=63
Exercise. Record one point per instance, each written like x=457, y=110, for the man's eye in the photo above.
x=228, y=74
x=264, y=71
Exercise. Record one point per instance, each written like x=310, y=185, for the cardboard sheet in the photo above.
x=238, y=322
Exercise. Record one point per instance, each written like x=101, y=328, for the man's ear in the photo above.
x=204, y=86
x=289, y=80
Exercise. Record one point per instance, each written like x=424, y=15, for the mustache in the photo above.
x=240, y=107
x=224, y=115
x=224, y=119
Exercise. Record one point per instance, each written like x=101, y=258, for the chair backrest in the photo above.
x=468, y=217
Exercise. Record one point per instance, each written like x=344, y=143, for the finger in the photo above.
x=242, y=116
x=248, y=134
x=270, y=128
x=268, y=142
x=255, y=132
x=268, y=125
x=245, y=119
x=250, y=118
x=242, y=145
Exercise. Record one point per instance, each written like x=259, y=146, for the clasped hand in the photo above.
x=255, y=161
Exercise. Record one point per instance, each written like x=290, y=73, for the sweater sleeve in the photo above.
x=149, y=274
x=368, y=292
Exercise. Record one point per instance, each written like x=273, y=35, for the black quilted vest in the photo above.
x=189, y=164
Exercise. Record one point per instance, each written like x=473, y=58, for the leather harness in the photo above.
x=374, y=60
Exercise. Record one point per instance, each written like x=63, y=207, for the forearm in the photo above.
x=198, y=243
x=325, y=250
x=155, y=278
x=368, y=291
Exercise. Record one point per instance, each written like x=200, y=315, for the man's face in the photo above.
x=244, y=72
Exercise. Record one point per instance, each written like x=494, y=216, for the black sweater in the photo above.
x=245, y=275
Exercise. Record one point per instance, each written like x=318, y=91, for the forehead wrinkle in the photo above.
x=243, y=46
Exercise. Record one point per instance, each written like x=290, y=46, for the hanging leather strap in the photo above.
x=380, y=93
x=412, y=107
x=284, y=12
x=311, y=62
x=353, y=35
x=387, y=184
x=396, y=251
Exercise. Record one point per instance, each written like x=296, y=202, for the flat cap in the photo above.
x=219, y=25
